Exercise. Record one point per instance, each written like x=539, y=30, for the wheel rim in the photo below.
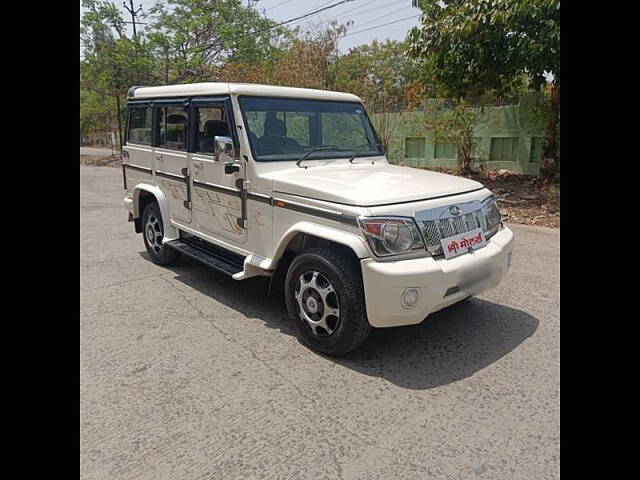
x=153, y=233
x=318, y=303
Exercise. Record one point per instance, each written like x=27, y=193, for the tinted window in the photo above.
x=139, y=125
x=172, y=128
x=284, y=129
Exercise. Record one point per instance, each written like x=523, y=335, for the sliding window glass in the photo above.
x=139, y=125
x=172, y=128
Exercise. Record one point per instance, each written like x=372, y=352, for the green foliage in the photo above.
x=470, y=46
x=463, y=49
x=96, y=114
x=112, y=61
x=378, y=72
x=192, y=37
x=455, y=126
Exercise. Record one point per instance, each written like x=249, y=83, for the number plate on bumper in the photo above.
x=473, y=277
x=463, y=242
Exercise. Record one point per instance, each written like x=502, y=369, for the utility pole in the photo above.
x=133, y=13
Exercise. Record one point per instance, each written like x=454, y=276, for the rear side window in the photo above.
x=172, y=128
x=139, y=125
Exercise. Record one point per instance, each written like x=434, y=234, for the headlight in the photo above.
x=391, y=235
x=491, y=213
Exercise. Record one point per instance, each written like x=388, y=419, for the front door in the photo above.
x=217, y=205
x=171, y=158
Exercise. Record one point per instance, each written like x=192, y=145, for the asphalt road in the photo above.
x=186, y=374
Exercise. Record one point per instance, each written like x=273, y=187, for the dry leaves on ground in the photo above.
x=101, y=160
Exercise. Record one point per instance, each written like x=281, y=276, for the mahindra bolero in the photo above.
x=294, y=184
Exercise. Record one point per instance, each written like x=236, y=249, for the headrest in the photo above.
x=275, y=126
x=214, y=128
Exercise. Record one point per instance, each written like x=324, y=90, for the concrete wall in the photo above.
x=507, y=138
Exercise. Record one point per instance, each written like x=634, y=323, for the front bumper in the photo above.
x=386, y=282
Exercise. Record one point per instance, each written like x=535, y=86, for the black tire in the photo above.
x=158, y=253
x=351, y=328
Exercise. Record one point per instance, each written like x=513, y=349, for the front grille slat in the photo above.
x=436, y=229
x=459, y=225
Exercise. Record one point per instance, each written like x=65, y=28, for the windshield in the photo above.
x=286, y=128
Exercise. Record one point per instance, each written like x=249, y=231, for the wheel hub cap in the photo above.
x=318, y=303
x=312, y=305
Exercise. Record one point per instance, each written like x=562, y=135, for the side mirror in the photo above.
x=223, y=148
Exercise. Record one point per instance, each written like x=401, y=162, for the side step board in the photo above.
x=209, y=258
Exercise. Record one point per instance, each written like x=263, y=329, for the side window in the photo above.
x=172, y=128
x=139, y=125
x=212, y=123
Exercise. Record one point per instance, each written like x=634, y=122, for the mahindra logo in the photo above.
x=454, y=210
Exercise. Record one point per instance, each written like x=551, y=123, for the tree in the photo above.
x=306, y=59
x=195, y=37
x=377, y=72
x=455, y=125
x=113, y=62
x=96, y=115
x=470, y=47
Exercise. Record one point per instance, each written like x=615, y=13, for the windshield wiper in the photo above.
x=315, y=149
x=360, y=148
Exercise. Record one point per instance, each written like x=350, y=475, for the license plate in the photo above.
x=475, y=276
x=463, y=243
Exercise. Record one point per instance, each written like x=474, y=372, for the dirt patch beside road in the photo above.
x=101, y=160
x=522, y=198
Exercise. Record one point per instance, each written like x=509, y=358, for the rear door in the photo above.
x=217, y=202
x=171, y=157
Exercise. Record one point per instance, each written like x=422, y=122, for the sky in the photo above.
x=366, y=14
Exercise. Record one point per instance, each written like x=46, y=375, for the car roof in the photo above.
x=220, y=88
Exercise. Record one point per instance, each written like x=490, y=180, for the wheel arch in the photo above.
x=143, y=194
x=305, y=235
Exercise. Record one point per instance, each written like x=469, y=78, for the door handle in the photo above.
x=159, y=157
x=197, y=165
x=231, y=167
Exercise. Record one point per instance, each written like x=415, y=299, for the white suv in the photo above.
x=293, y=184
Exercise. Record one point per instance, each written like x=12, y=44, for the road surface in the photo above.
x=187, y=374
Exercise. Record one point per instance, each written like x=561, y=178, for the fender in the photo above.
x=351, y=240
x=170, y=232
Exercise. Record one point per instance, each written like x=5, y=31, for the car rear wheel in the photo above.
x=325, y=300
x=153, y=233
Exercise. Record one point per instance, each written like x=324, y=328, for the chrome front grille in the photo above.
x=442, y=222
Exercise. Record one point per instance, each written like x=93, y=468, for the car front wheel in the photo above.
x=325, y=300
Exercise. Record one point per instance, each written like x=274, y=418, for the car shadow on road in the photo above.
x=448, y=346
